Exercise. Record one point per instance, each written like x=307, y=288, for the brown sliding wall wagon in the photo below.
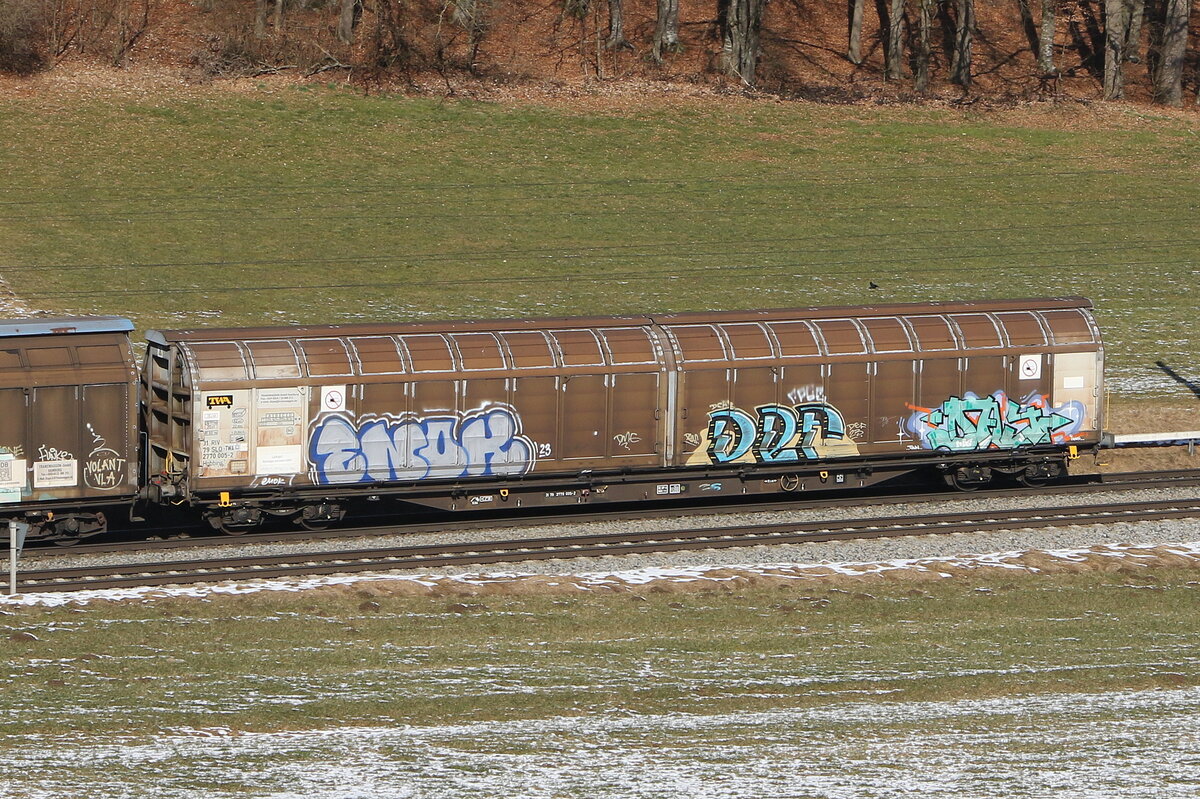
x=68, y=423
x=303, y=422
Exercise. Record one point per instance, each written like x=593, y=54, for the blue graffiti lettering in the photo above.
x=777, y=426
x=779, y=434
x=484, y=443
x=971, y=422
x=730, y=434
x=819, y=421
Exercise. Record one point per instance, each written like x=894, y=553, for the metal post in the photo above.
x=12, y=558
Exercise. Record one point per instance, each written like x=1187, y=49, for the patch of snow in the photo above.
x=942, y=567
x=1081, y=746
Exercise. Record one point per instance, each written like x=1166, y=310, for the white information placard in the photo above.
x=56, y=474
x=284, y=459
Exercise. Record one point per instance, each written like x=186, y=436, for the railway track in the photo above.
x=1080, y=484
x=480, y=553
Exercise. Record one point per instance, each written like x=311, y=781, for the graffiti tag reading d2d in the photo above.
x=971, y=422
x=776, y=434
x=482, y=443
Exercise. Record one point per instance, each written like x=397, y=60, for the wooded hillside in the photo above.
x=822, y=49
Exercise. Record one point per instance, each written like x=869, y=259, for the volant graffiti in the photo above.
x=104, y=467
x=971, y=422
x=485, y=442
x=774, y=434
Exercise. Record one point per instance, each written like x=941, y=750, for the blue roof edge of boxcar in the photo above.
x=53, y=326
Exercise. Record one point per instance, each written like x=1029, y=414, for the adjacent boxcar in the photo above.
x=68, y=422
x=302, y=421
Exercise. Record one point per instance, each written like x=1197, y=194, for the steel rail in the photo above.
x=478, y=553
x=580, y=514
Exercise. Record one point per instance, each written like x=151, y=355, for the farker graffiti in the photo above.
x=774, y=434
x=484, y=442
x=971, y=422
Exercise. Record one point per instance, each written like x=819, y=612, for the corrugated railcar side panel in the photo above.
x=68, y=432
x=879, y=387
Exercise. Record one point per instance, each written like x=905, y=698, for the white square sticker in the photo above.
x=333, y=398
x=12, y=473
x=1030, y=367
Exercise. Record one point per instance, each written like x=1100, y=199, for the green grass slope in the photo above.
x=288, y=204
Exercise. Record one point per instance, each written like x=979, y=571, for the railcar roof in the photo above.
x=60, y=325
x=551, y=323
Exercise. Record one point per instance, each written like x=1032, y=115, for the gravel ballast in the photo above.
x=860, y=550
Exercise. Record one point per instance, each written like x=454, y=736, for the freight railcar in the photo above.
x=68, y=423
x=305, y=422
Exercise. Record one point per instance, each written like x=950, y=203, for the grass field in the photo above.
x=285, y=204
x=555, y=696
x=288, y=204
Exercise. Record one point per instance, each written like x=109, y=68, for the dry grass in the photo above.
x=331, y=659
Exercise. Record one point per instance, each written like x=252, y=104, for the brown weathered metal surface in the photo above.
x=67, y=414
x=340, y=408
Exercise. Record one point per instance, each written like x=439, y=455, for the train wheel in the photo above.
x=229, y=529
x=319, y=517
x=963, y=485
x=968, y=478
x=1036, y=475
x=239, y=521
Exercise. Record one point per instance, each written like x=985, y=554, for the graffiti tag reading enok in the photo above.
x=476, y=444
x=732, y=432
x=995, y=422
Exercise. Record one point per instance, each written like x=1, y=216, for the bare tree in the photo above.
x=261, y=8
x=1133, y=37
x=924, y=22
x=894, y=56
x=1168, y=78
x=616, y=27
x=666, y=29
x=1121, y=19
x=347, y=19
x=1046, y=39
x=854, y=50
x=964, y=33
x=470, y=15
x=743, y=21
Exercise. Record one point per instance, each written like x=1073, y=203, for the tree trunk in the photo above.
x=1116, y=31
x=895, y=41
x=1133, y=36
x=854, y=51
x=666, y=29
x=964, y=32
x=1168, y=81
x=743, y=20
x=278, y=22
x=924, y=19
x=346, y=20
x=1046, y=39
x=261, y=7
x=616, y=27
